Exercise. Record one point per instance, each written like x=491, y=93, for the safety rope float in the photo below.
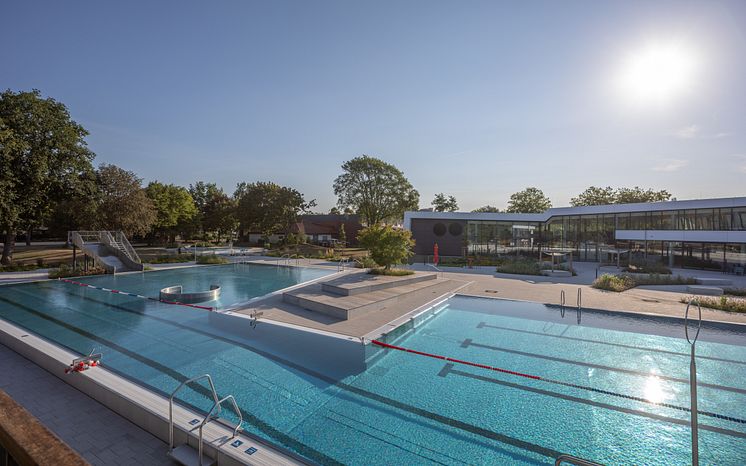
x=134, y=295
x=556, y=382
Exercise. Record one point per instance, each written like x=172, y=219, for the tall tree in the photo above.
x=637, y=194
x=441, y=203
x=594, y=196
x=43, y=155
x=219, y=214
x=486, y=208
x=377, y=190
x=269, y=208
x=530, y=200
x=609, y=195
x=123, y=204
x=174, y=208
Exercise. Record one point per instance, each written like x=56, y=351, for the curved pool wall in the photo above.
x=176, y=294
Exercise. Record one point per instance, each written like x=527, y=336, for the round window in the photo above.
x=439, y=229
x=455, y=229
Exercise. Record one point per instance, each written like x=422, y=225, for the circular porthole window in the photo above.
x=439, y=229
x=455, y=229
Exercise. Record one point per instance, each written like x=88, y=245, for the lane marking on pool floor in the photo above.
x=552, y=381
x=619, y=345
x=468, y=342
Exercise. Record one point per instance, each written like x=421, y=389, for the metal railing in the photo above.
x=284, y=256
x=440, y=272
x=216, y=405
x=120, y=238
x=577, y=461
x=693, y=378
x=342, y=264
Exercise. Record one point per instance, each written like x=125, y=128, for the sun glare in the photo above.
x=657, y=73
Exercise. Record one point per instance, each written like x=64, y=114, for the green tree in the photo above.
x=174, y=208
x=219, y=214
x=637, y=194
x=441, y=203
x=609, y=195
x=378, y=191
x=269, y=208
x=387, y=245
x=43, y=156
x=486, y=208
x=122, y=203
x=594, y=196
x=530, y=200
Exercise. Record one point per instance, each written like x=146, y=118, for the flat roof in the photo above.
x=715, y=203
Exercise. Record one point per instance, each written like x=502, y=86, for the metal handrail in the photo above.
x=693, y=378
x=580, y=298
x=171, y=405
x=284, y=256
x=436, y=268
x=341, y=264
x=128, y=249
x=562, y=303
x=207, y=419
x=577, y=461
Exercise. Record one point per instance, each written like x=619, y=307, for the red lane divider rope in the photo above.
x=558, y=382
x=457, y=361
x=100, y=288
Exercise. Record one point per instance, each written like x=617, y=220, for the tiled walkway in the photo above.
x=101, y=436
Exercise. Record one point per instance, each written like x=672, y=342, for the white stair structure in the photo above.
x=110, y=250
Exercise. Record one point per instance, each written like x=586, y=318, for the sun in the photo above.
x=657, y=73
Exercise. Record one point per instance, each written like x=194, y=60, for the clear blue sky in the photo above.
x=475, y=99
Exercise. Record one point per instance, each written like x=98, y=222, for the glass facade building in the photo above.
x=708, y=234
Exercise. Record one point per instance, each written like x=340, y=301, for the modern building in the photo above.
x=702, y=233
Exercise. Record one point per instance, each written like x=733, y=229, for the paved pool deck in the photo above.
x=98, y=434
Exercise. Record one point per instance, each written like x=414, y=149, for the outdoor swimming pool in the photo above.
x=605, y=374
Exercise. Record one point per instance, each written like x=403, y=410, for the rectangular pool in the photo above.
x=615, y=387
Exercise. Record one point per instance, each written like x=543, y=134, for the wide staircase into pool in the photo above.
x=110, y=250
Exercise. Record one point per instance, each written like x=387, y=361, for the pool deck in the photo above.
x=98, y=434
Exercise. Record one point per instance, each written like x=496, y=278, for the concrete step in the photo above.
x=556, y=273
x=704, y=290
x=362, y=282
x=314, y=298
x=714, y=281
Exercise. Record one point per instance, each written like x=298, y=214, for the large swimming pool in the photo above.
x=617, y=387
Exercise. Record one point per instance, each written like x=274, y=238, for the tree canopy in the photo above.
x=43, y=157
x=174, y=208
x=376, y=190
x=609, y=195
x=387, y=245
x=486, y=208
x=530, y=200
x=269, y=208
x=443, y=203
x=122, y=203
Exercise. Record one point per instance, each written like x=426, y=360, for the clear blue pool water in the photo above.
x=408, y=409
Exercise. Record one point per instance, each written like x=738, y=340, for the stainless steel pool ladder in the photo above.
x=562, y=303
x=284, y=256
x=580, y=303
x=577, y=461
x=184, y=454
x=342, y=264
x=693, y=378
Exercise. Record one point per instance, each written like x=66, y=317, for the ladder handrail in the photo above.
x=693, y=378
x=577, y=461
x=284, y=256
x=580, y=298
x=171, y=405
x=208, y=418
x=342, y=263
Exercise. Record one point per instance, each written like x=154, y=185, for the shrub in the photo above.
x=212, y=259
x=655, y=268
x=387, y=245
x=366, y=263
x=66, y=271
x=390, y=272
x=735, y=291
x=624, y=282
x=18, y=267
x=616, y=283
x=723, y=303
x=520, y=267
x=172, y=259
